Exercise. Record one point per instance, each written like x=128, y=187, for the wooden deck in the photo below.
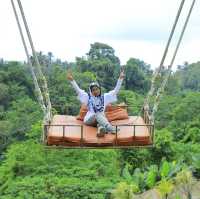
x=66, y=130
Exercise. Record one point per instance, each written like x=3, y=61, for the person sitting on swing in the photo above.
x=96, y=103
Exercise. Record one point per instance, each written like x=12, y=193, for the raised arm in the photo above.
x=82, y=95
x=76, y=87
x=111, y=96
x=73, y=83
x=119, y=83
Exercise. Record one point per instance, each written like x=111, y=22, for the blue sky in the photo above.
x=133, y=28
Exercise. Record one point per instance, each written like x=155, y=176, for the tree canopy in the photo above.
x=28, y=170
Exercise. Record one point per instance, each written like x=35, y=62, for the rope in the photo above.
x=47, y=109
x=157, y=71
x=43, y=97
x=37, y=88
x=43, y=79
x=164, y=83
x=145, y=106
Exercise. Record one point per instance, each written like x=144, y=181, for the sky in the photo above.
x=138, y=29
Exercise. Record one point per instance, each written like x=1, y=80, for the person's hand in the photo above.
x=70, y=76
x=122, y=75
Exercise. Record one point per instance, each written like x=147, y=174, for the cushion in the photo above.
x=82, y=113
x=112, y=113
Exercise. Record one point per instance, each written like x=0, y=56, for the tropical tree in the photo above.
x=102, y=61
x=137, y=75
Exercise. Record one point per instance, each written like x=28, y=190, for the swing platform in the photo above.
x=66, y=131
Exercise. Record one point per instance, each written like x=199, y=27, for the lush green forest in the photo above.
x=29, y=170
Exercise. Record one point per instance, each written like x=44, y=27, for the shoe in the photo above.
x=113, y=130
x=101, y=131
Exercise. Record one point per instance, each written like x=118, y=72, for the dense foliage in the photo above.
x=28, y=170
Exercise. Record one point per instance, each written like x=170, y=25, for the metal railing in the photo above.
x=117, y=140
x=146, y=117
